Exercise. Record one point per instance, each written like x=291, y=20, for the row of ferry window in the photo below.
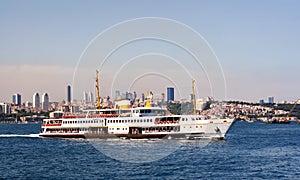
x=130, y=121
x=86, y=121
x=117, y=128
x=186, y=119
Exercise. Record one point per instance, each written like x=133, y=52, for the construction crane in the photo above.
x=292, y=109
x=287, y=118
x=98, y=105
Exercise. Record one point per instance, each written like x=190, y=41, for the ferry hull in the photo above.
x=52, y=135
x=194, y=136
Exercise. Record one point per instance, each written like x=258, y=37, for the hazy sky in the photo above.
x=257, y=43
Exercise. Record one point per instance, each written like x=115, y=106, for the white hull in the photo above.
x=181, y=127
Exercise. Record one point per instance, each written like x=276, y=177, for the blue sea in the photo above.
x=250, y=151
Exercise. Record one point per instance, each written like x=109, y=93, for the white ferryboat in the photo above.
x=140, y=122
x=134, y=123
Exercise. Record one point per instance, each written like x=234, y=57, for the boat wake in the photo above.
x=19, y=135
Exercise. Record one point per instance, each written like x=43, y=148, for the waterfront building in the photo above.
x=143, y=97
x=28, y=104
x=200, y=104
x=117, y=95
x=45, y=102
x=91, y=97
x=5, y=108
x=261, y=101
x=85, y=97
x=170, y=94
x=163, y=96
x=36, y=100
x=129, y=95
x=75, y=109
x=271, y=100
x=69, y=94
x=16, y=99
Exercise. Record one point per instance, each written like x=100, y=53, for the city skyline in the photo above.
x=256, y=43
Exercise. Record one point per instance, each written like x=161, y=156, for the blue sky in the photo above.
x=257, y=42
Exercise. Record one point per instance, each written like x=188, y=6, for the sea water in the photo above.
x=251, y=151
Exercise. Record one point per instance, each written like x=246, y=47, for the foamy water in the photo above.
x=19, y=135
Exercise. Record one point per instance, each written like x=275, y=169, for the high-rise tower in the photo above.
x=36, y=100
x=16, y=99
x=45, y=102
x=69, y=94
x=170, y=94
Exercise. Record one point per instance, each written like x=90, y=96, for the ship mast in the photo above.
x=193, y=96
x=98, y=105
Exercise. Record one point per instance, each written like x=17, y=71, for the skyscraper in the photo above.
x=45, y=102
x=170, y=94
x=16, y=99
x=85, y=97
x=143, y=97
x=117, y=95
x=271, y=100
x=91, y=97
x=69, y=93
x=36, y=100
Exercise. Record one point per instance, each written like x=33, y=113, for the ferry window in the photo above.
x=131, y=120
x=114, y=121
x=125, y=121
x=196, y=126
x=150, y=120
x=138, y=120
x=118, y=128
x=147, y=120
x=122, y=121
x=134, y=121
